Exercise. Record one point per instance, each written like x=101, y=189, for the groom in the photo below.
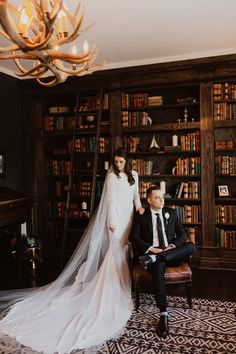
x=159, y=240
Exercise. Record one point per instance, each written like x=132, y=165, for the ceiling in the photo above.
x=135, y=32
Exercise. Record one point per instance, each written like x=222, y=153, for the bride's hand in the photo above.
x=141, y=210
x=112, y=228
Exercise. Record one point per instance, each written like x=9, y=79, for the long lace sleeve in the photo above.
x=111, y=198
x=137, y=201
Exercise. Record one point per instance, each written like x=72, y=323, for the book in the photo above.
x=180, y=191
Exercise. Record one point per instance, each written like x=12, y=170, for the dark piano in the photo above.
x=15, y=208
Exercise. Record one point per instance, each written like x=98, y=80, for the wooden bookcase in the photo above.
x=151, y=120
x=224, y=114
x=58, y=118
x=179, y=98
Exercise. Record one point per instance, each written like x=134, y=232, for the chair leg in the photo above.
x=189, y=293
x=137, y=296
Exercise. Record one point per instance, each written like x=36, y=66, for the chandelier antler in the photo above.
x=38, y=31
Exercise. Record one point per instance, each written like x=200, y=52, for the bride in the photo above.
x=90, y=302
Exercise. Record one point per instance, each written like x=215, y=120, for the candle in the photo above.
x=23, y=229
x=163, y=187
x=175, y=140
x=84, y=206
x=106, y=165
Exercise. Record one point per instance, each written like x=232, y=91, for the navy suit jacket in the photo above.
x=141, y=235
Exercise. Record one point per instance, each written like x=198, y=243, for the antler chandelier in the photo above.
x=39, y=30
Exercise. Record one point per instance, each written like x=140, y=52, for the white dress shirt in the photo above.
x=154, y=230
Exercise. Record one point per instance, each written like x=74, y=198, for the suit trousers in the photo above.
x=171, y=257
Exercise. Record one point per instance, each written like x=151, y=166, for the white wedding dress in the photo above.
x=95, y=304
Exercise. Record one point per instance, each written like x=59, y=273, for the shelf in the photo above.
x=225, y=200
x=104, y=130
x=161, y=152
x=224, y=175
x=225, y=225
x=225, y=123
x=170, y=176
x=182, y=200
x=225, y=151
x=154, y=128
x=162, y=106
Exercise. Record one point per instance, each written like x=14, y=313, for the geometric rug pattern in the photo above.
x=208, y=328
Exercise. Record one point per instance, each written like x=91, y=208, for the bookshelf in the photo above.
x=224, y=114
x=161, y=132
x=160, y=101
x=60, y=118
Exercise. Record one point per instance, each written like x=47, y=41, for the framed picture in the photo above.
x=2, y=164
x=223, y=191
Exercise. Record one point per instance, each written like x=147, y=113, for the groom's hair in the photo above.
x=152, y=188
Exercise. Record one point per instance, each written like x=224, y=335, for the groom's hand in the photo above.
x=155, y=250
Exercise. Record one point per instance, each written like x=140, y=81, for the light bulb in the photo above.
x=24, y=18
x=74, y=50
x=85, y=46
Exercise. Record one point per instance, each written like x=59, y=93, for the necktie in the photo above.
x=160, y=233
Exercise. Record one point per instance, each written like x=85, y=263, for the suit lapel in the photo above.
x=149, y=224
x=164, y=220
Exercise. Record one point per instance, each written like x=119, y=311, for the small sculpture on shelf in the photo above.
x=154, y=144
x=185, y=114
x=146, y=120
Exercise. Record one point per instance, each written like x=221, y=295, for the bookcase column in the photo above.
x=115, y=114
x=207, y=164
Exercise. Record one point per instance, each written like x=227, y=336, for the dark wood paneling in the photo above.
x=207, y=164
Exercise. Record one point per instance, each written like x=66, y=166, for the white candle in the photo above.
x=106, y=165
x=175, y=140
x=84, y=206
x=163, y=187
x=23, y=229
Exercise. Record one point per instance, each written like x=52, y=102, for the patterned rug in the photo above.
x=209, y=328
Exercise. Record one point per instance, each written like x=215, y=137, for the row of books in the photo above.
x=225, y=165
x=82, y=145
x=224, y=111
x=131, y=143
x=194, y=235
x=190, y=142
x=93, y=103
x=225, y=214
x=189, y=213
x=54, y=123
x=134, y=119
x=224, y=91
x=143, y=167
x=134, y=100
x=58, y=167
x=188, y=190
x=224, y=144
x=89, y=144
x=58, y=210
x=225, y=238
x=188, y=166
x=143, y=186
x=140, y=100
x=80, y=189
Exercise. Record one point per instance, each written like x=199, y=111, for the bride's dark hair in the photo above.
x=127, y=169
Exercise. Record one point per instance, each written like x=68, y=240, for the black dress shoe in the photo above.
x=145, y=261
x=162, y=327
